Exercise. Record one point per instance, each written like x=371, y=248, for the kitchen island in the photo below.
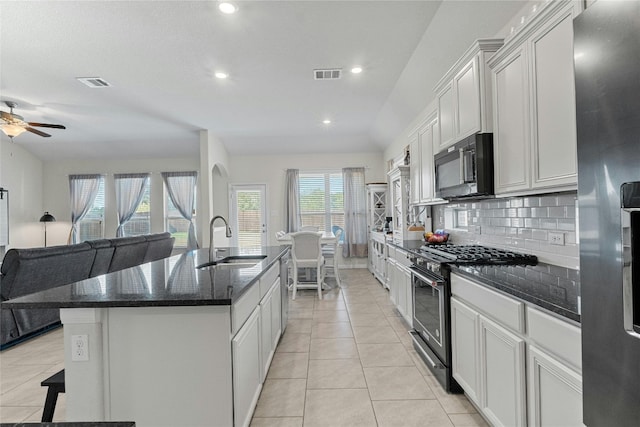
x=167, y=343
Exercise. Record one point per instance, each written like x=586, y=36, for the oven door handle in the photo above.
x=433, y=281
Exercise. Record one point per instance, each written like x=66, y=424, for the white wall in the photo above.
x=22, y=174
x=214, y=167
x=57, y=198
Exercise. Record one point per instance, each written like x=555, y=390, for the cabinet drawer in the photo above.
x=402, y=258
x=242, y=309
x=505, y=310
x=555, y=336
x=267, y=279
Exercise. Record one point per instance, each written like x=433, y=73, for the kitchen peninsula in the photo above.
x=171, y=342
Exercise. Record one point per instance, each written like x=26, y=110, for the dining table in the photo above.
x=328, y=238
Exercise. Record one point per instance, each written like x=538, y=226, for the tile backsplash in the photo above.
x=522, y=224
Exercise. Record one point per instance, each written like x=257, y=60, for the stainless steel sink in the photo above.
x=237, y=261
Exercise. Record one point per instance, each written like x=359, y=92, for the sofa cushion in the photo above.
x=128, y=252
x=160, y=246
x=104, y=254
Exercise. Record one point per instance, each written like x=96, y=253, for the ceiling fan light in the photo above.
x=12, y=130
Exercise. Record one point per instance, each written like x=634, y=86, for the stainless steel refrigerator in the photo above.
x=607, y=67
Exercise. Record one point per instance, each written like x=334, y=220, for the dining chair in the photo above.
x=330, y=253
x=306, y=252
x=309, y=228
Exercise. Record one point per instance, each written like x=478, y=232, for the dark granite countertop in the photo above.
x=74, y=424
x=168, y=282
x=554, y=288
x=551, y=287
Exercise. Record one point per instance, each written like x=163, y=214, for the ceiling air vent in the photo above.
x=327, y=74
x=94, y=82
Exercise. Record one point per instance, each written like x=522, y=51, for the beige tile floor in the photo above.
x=346, y=360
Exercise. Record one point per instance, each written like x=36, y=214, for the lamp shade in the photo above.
x=47, y=217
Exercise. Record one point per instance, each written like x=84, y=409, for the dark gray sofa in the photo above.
x=25, y=271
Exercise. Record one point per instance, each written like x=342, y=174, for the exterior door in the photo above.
x=248, y=215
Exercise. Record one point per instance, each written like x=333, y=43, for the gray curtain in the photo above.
x=181, y=187
x=83, y=190
x=355, y=214
x=129, y=191
x=292, y=200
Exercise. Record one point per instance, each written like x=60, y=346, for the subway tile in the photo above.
x=517, y=222
x=539, y=212
x=556, y=212
x=511, y=212
x=567, y=225
x=500, y=222
x=570, y=211
x=531, y=202
x=537, y=234
x=525, y=233
x=549, y=223
x=516, y=203
x=567, y=199
x=549, y=201
x=524, y=212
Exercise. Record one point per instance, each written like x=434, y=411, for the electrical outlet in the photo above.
x=79, y=348
x=556, y=239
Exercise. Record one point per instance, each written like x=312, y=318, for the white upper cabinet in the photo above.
x=421, y=143
x=511, y=118
x=463, y=95
x=533, y=94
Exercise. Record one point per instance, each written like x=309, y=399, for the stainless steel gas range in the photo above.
x=431, y=300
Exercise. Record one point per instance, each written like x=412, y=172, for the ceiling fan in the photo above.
x=13, y=124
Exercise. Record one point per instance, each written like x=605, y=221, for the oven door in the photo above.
x=429, y=310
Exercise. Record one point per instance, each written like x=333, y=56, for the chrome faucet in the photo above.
x=212, y=250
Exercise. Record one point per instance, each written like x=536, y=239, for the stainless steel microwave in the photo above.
x=466, y=168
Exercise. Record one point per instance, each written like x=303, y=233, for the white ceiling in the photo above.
x=160, y=57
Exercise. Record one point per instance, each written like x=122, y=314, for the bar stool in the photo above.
x=56, y=385
x=306, y=252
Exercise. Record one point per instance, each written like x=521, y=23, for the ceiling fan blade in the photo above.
x=37, y=132
x=46, y=125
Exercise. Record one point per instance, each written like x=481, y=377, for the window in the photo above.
x=91, y=226
x=175, y=222
x=321, y=200
x=140, y=222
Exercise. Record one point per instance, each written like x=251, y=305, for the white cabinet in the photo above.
x=515, y=375
x=378, y=256
x=422, y=141
x=465, y=348
x=463, y=95
x=415, y=168
x=247, y=378
x=533, y=94
x=400, y=291
x=511, y=126
x=270, y=326
x=502, y=370
x=399, y=193
x=555, y=391
x=376, y=206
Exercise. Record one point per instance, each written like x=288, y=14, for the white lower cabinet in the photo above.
x=400, y=290
x=247, y=369
x=516, y=376
x=465, y=349
x=253, y=348
x=555, y=391
x=502, y=370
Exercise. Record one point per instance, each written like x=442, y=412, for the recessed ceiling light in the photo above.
x=326, y=122
x=228, y=8
x=356, y=70
x=221, y=75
